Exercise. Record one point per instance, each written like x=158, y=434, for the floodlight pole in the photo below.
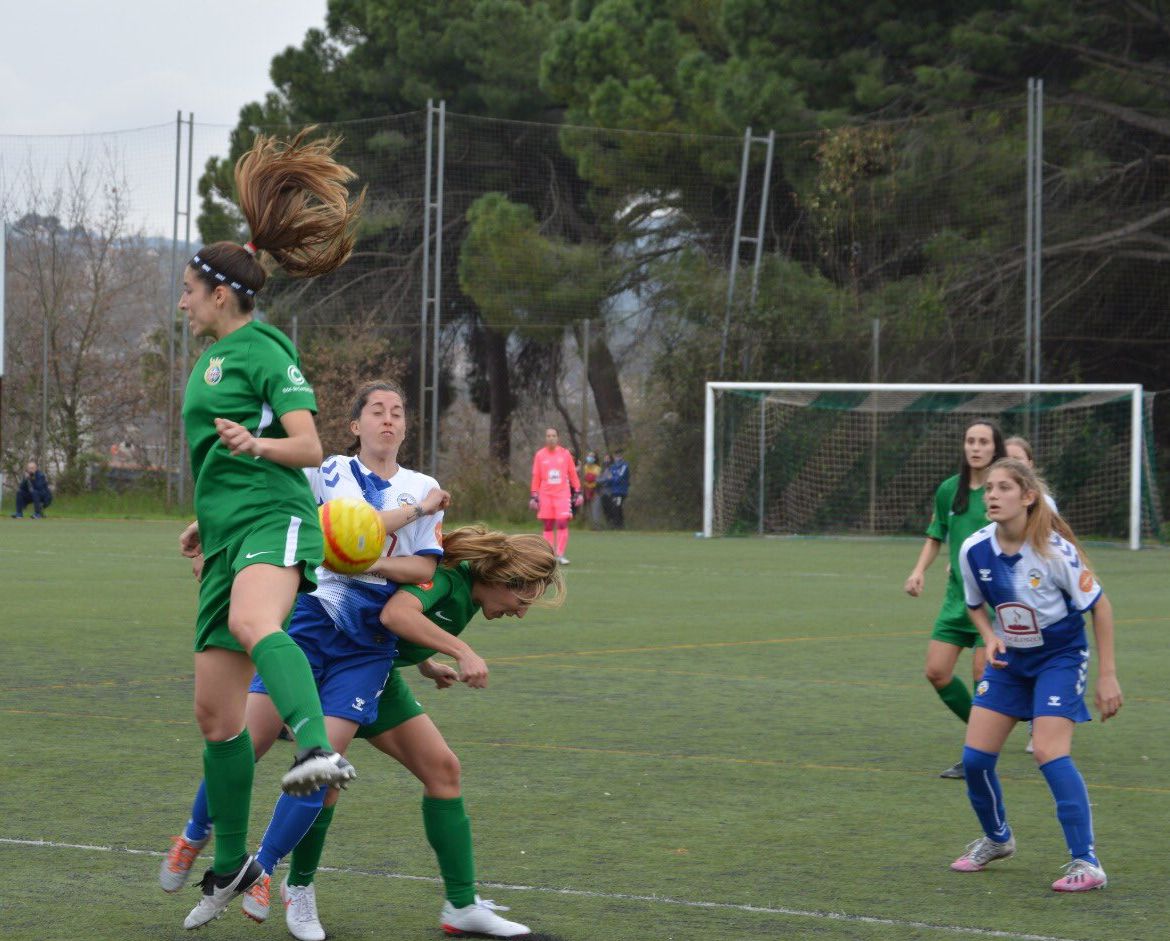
x=183, y=464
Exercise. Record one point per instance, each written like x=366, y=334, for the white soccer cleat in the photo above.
x=300, y=912
x=176, y=866
x=216, y=897
x=313, y=768
x=982, y=851
x=256, y=898
x=480, y=918
x=1080, y=876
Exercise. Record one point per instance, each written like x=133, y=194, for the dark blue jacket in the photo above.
x=36, y=488
x=615, y=479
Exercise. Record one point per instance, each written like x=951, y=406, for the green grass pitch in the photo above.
x=726, y=739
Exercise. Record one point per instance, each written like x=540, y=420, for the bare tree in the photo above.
x=82, y=296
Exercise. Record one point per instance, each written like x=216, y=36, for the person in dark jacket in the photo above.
x=615, y=487
x=34, y=489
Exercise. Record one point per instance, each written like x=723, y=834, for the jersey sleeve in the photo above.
x=278, y=377
x=971, y=591
x=535, y=487
x=432, y=593
x=1073, y=577
x=335, y=479
x=426, y=535
x=940, y=519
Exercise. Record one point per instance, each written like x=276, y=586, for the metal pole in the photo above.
x=763, y=450
x=585, y=386
x=435, y=364
x=874, y=376
x=171, y=313
x=43, y=443
x=1037, y=223
x=296, y=330
x=743, y=170
x=709, y=461
x=763, y=216
x=183, y=464
x=1028, y=233
x=1135, y=469
x=425, y=290
x=3, y=280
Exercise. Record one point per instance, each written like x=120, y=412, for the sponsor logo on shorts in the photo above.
x=252, y=555
x=1054, y=700
x=982, y=688
x=214, y=371
x=358, y=703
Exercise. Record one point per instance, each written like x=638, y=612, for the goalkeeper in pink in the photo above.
x=556, y=489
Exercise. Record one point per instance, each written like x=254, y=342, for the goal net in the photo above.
x=806, y=458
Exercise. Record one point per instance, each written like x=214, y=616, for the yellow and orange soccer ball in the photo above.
x=354, y=534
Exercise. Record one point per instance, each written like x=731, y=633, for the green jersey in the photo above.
x=446, y=601
x=953, y=529
x=252, y=376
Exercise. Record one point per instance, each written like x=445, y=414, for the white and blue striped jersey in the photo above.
x=1039, y=600
x=345, y=597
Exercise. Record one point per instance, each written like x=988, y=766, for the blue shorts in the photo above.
x=350, y=677
x=1031, y=685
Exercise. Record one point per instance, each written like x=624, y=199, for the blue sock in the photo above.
x=1072, y=806
x=199, y=826
x=984, y=793
x=291, y=820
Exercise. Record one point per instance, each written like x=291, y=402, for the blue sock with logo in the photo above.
x=1072, y=806
x=291, y=819
x=199, y=826
x=984, y=793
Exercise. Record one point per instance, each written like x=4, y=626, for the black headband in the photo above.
x=234, y=285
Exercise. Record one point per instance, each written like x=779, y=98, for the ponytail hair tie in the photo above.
x=250, y=248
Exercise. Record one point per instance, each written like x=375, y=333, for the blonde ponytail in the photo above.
x=523, y=562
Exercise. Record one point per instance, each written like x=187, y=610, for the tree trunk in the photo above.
x=607, y=390
x=500, y=398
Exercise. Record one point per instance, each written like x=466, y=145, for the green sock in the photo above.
x=289, y=680
x=449, y=832
x=306, y=855
x=227, y=769
x=957, y=698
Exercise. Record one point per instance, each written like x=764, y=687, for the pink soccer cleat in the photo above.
x=1080, y=876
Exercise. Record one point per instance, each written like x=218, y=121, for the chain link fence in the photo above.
x=581, y=281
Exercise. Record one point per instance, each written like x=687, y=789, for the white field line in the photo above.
x=613, y=896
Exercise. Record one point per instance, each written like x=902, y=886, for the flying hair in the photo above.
x=294, y=197
x=523, y=562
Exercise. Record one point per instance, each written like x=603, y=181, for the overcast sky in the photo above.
x=78, y=67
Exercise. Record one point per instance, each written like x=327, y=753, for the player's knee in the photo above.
x=213, y=724
x=1043, y=752
x=938, y=677
x=246, y=630
x=443, y=776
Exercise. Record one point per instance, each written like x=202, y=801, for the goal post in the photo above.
x=808, y=458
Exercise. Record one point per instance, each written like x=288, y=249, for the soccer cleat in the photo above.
x=300, y=911
x=314, y=767
x=562, y=560
x=219, y=892
x=176, y=866
x=480, y=920
x=983, y=851
x=955, y=772
x=1030, y=748
x=256, y=898
x=1080, y=876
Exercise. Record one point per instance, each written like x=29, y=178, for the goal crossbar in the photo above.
x=804, y=392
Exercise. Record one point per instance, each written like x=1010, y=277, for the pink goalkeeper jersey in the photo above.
x=554, y=473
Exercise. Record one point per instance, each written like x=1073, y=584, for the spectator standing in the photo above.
x=590, y=475
x=615, y=484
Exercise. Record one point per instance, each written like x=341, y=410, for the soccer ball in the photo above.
x=354, y=535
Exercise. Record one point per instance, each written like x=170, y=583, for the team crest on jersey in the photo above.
x=214, y=371
x=406, y=499
x=1034, y=577
x=295, y=376
x=982, y=688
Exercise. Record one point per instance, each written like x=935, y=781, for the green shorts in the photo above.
x=272, y=542
x=953, y=625
x=396, y=705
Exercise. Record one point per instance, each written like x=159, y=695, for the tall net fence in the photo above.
x=583, y=280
